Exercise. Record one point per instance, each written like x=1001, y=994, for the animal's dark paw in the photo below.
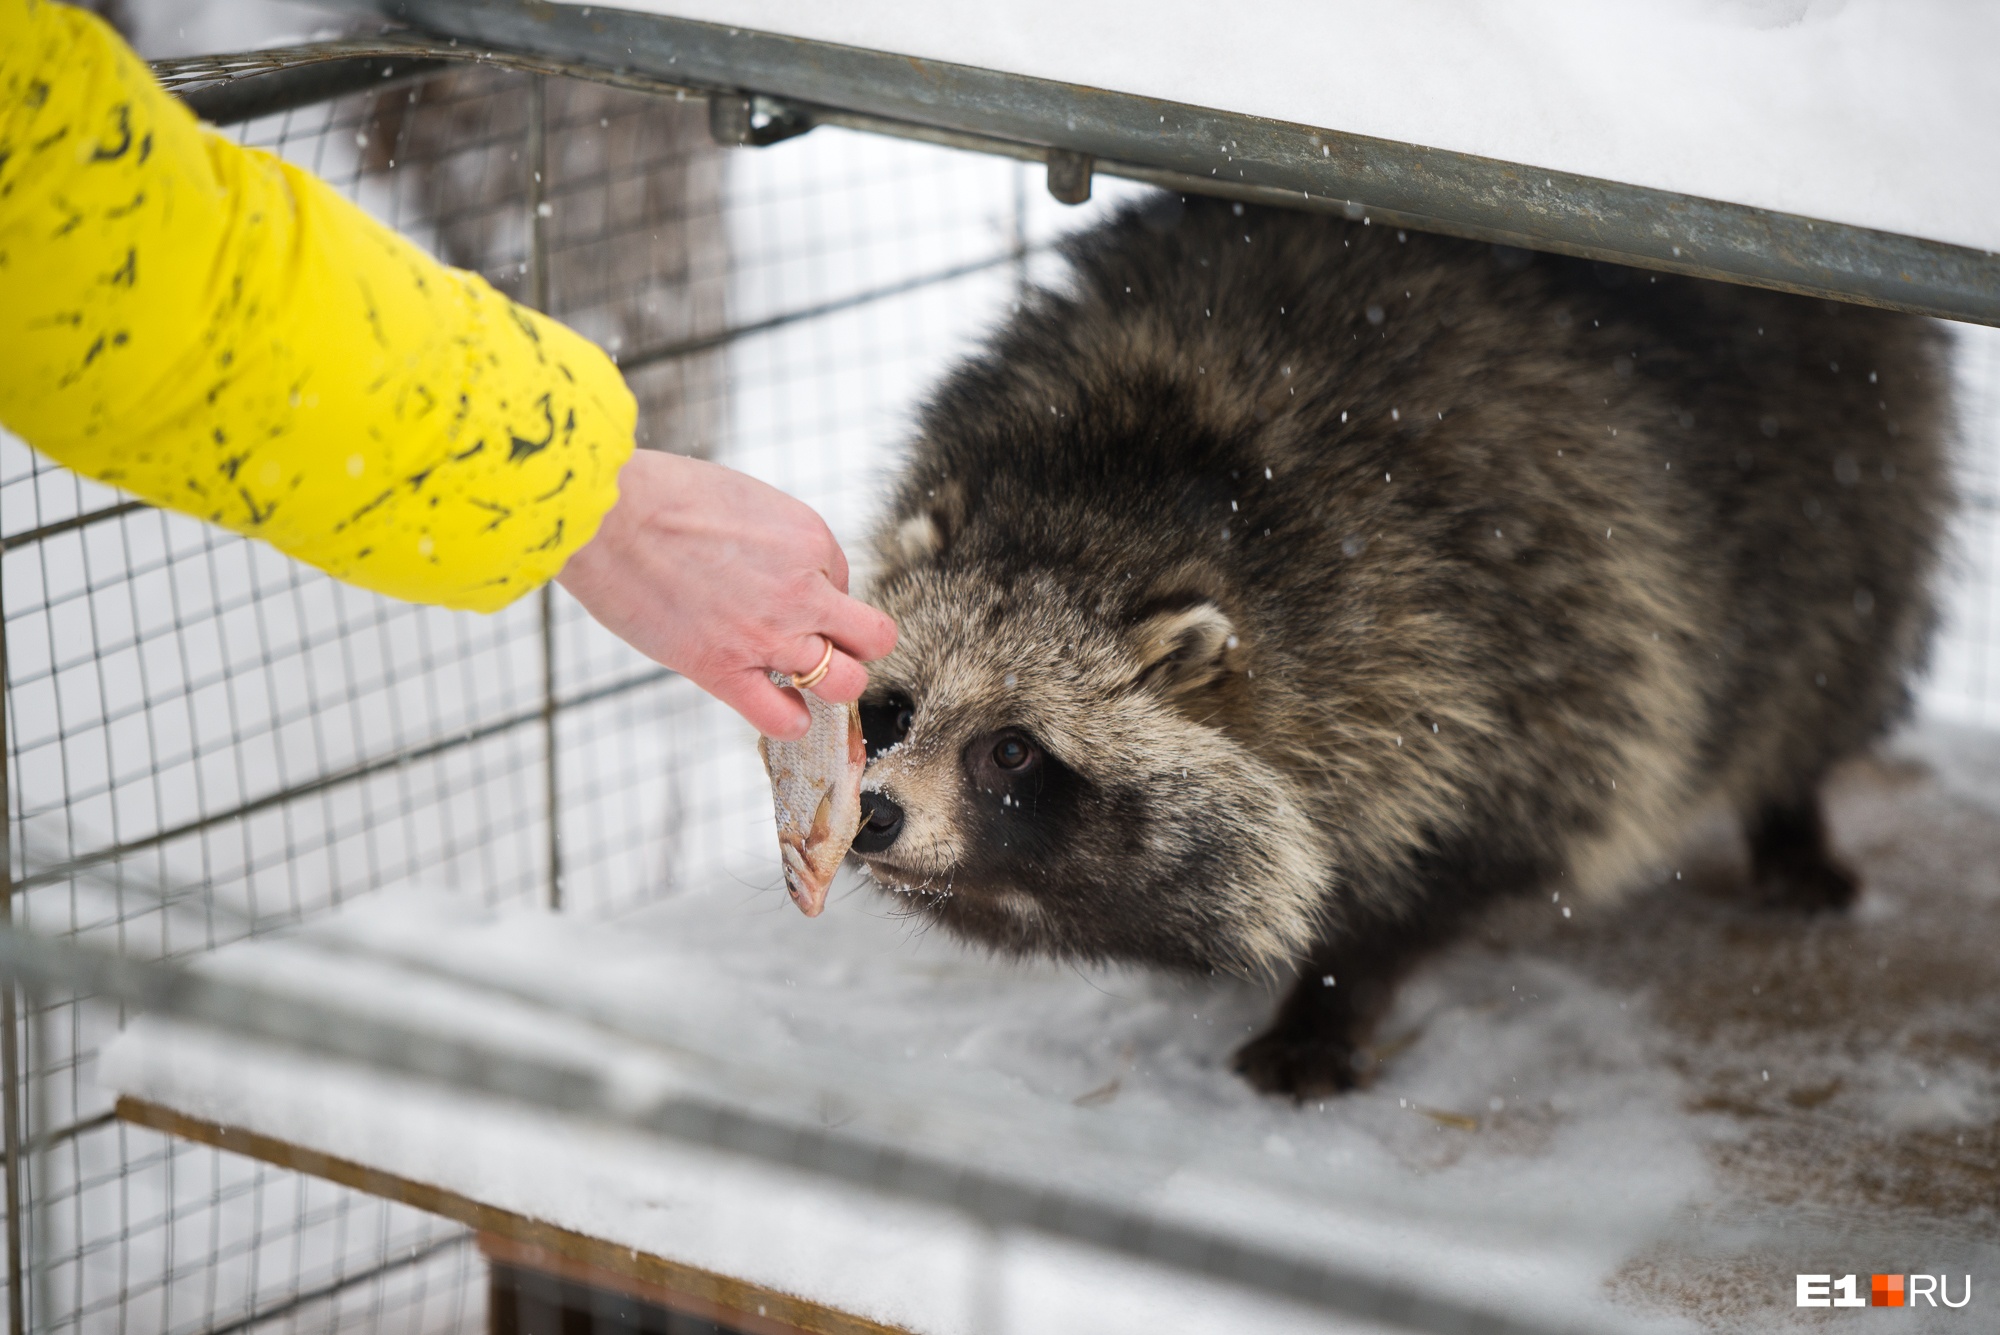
x=1301, y=1066
x=1806, y=885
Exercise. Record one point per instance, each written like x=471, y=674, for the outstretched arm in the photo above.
x=220, y=333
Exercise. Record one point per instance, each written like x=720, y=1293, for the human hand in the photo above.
x=723, y=579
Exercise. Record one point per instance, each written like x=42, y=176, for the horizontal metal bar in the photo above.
x=184, y=76
x=688, y=348
x=352, y=774
x=48, y=1140
x=71, y=525
x=722, y=337
x=253, y=96
x=416, y=1256
x=844, y=1154
x=192, y=77
x=1206, y=150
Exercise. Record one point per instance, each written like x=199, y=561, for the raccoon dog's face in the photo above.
x=1049, y=772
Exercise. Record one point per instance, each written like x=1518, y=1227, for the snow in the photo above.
x=979, y=1040
x=160, y=29
x=1875, y=113
x=1964, y=681
x=1582, y=1117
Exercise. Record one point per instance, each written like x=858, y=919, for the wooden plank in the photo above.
x=720, y=1298
x=518, y=1255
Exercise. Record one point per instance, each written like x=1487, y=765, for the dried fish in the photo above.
x=816, y=790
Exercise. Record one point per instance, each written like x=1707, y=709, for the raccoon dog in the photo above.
x=1283, y=590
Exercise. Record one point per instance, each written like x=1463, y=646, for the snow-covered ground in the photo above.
x=1660, y=1111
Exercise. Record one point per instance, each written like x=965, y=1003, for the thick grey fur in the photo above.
x=1339, y=581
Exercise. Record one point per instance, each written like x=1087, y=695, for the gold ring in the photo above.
x=811, y=679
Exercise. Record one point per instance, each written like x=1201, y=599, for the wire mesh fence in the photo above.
x=207, y=742
x=188, y=709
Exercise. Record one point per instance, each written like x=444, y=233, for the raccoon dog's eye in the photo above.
x=1013, y=752
x=887, y=724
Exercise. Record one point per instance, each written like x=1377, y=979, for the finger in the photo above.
x=857, y=628
x=775, y=712
x=845, y=680
x=835, y=560
x=804, y=658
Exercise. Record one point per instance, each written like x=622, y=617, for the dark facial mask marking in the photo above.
x=886, y=723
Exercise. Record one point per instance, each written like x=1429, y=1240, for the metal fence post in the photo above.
x=538, y=297
x=1017, y=228
x=10, y=1051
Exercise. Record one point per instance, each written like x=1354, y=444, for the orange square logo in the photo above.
x=1886, y=1291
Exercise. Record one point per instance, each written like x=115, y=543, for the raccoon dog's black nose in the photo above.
x=881, y=822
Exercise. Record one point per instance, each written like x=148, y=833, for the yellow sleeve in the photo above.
x=220, y=333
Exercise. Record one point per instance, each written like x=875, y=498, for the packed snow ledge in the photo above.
x=1662, y=1110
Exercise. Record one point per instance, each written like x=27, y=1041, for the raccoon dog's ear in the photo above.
x=925, y=534
x=1183, y=649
